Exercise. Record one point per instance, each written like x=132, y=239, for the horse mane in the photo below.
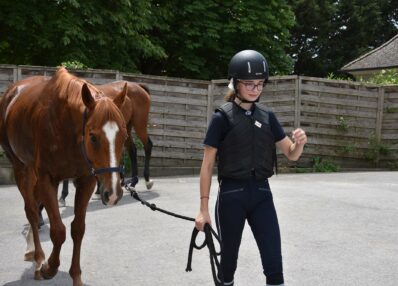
x=69, y=86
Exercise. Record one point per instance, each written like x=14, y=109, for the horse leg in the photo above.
x=148, y=154
x=57, y=228
x=64, y=193
x=26, y=180
x=84, y=189
x=144, y=137
x=132, y=150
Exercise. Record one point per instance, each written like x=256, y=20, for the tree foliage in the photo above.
x=177, y=38
x=200, y=37
x=330, y=33
x=194, y=39
x=99, y=34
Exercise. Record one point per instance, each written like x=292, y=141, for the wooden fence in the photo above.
x=346, y=122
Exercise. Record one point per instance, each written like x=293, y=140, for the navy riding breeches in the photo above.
x=251, y=200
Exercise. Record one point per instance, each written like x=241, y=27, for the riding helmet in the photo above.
x=248, y=64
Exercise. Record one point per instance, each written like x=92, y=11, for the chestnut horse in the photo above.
x=54, y=129
x=135, y=111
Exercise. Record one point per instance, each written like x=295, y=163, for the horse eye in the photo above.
x=93, y=139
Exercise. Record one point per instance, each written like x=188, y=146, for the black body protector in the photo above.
x=248, y=150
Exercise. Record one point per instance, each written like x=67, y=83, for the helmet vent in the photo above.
x=265, y=69
x=249, y=70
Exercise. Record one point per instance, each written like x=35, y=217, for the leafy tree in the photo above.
x=200, y=37
x=330, y=33
x=99, y=34
x=175, y=37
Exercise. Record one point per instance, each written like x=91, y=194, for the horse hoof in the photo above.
x=29, y=256
x=61, y=202
x=46, y=273
x=77, y=282
x=38, y=275
x=149, y=184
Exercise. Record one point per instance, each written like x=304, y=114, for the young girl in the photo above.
x=243, y=135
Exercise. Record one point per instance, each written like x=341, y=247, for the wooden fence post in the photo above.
x=210, y=100
x=15, y=74
x=379, y=119
x=297, y=103
x=19, y=73
x=118, y=76
x=379, y=116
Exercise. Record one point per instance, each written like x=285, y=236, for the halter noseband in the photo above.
x=94, y=171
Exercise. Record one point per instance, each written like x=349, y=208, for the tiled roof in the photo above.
x=385, y=56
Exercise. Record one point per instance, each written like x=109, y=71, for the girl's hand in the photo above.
x=202, y=218
x=299, y=136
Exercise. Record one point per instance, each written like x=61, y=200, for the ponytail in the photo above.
x=230, y=96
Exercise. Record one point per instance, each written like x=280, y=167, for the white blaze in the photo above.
x=110, y=129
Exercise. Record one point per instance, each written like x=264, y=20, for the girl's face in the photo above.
x=250, y=89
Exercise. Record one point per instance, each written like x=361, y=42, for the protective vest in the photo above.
x=248, y=149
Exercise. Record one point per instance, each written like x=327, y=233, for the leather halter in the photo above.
x=94, y=171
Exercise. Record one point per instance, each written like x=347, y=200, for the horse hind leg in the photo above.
x=26, y=181
x=148, y=153
x=132, y=151
x=140, y=122
x=30, y=245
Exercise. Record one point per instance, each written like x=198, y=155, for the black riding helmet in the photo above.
x=247, y=64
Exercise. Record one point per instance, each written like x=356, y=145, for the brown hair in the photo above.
x=230, y=96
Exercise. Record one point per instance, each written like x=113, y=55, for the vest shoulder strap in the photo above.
x=262, y=113
x=226, y=110
x=262, y=107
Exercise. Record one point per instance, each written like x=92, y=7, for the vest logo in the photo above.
x=258, y=124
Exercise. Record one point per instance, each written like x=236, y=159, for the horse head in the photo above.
x=104, y=134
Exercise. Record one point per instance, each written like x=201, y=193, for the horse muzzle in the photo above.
x=111, y=197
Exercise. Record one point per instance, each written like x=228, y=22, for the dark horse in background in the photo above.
x=56, y=128
x=136, y=112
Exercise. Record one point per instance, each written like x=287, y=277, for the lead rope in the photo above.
x=208, y=241
x=218, y=276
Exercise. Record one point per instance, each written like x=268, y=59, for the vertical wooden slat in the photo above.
x=379, y=118
x=210, y=98
x=19, y=73
x=297, y=103
x=15, y=74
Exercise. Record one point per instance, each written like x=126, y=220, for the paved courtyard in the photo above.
x=337, y=229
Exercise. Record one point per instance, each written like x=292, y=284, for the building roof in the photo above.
x=385, y=56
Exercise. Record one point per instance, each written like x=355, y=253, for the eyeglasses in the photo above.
x=251, y=86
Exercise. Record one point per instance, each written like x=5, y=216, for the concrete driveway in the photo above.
x=337, y=229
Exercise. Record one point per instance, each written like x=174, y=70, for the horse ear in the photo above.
x=119, y=99
x=88, y=99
